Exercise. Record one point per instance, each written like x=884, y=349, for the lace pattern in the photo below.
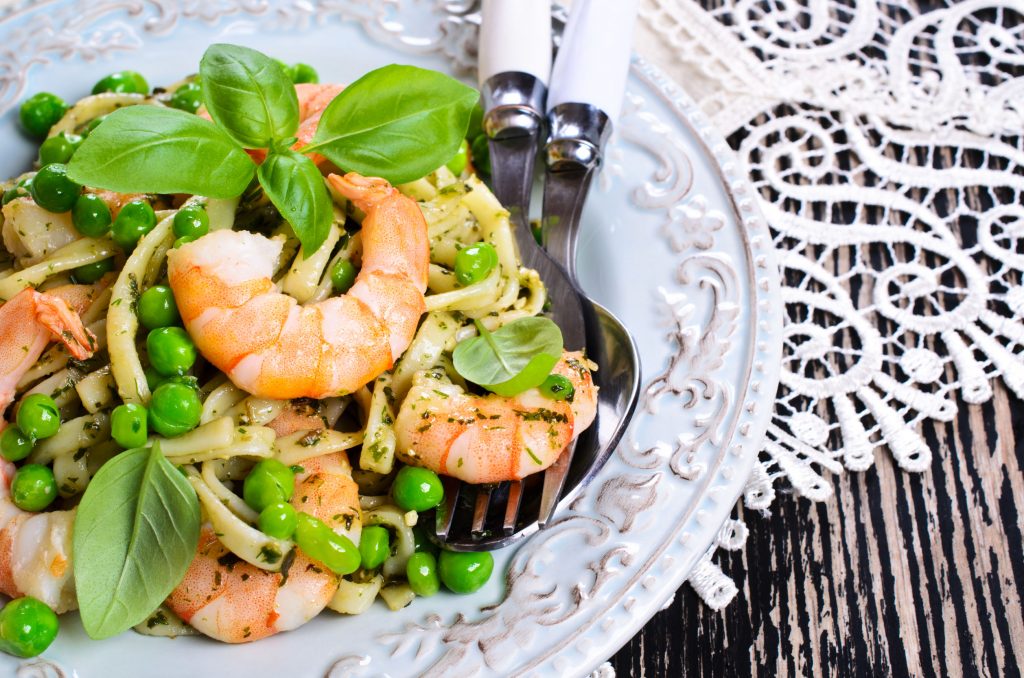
x=903, y=287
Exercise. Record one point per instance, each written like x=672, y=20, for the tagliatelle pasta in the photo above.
x=285, y=478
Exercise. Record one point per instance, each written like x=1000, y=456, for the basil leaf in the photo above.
x=296, y=187
x=249, y=95
x=148, y=149
x=516, y=357
x=135, y=535
x=397, y=122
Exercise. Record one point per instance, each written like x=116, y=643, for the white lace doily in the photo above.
x=903, y=287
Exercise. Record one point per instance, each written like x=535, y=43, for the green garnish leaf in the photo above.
x=296, y=187
x=148, y=149
x=249, y=95
x=512, y=359
x=135, y=535
x=397, y=122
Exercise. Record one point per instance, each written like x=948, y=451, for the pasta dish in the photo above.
x=247, y=321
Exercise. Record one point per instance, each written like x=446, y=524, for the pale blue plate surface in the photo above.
x=672, y=243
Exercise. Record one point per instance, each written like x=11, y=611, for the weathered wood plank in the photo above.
x=898, y=574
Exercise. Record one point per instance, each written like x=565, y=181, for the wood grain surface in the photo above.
x=899, y=574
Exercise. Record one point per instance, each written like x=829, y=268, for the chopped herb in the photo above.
x=158, y=619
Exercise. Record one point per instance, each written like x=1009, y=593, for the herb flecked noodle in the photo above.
x=233, y=432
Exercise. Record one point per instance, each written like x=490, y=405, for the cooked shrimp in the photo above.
x=270, y=346
x=296, y=417
x=487, y=439
x=28, y=322
x=35, y=551
x=235, y=602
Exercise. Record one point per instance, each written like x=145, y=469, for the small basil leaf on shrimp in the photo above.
x=512, y=359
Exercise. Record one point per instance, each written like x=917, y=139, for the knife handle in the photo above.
x=593, y=59
x=515, y=37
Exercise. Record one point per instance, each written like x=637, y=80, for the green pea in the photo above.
x=188, y=97
x=15, y=444
x=53, y=190
x=59, y=148
x=465, y=572
x=183, y=240
x=122, y=82
x=303, y=73
x=27, y=627
x=157, y=309
x=269, y=482
x=33, y=487
x=90, y=273
x=135, y=220
x=90, y=215
x=191, y=221
x=40, y=112
x=558, y=387
x=459, y=161
x=321, y=543
x=278, y=521
x=153, y=378
x=93, y=124
x=474, y=263
x=174, y=409
x=421, y=571
x=128, y=425
x=374, y=546
x=38, y=416
x=480, y=152
x=417, y=489
x=171, y=350
x=422, y=541
x=343, y=274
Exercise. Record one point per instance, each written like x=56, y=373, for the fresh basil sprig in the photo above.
x=135, y=535
x=148, y=149
x=379, y=124
x=398, y=122
x=296, y=187
x=512, y=359
x=249, y=95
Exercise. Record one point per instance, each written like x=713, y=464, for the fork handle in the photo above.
x=593, y=58
x=515, y=37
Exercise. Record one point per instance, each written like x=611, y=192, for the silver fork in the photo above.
x=515, y=51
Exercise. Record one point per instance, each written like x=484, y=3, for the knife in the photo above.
x=515, y=63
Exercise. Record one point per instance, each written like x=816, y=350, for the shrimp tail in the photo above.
x=55, y=315
x=365, y=192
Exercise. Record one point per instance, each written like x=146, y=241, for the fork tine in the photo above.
x=554, y=479
x=515, y=495
x=483, y=501
x=446, y=511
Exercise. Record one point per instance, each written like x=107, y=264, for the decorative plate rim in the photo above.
x=720, y=478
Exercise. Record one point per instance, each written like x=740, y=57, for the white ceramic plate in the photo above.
x=672, y=243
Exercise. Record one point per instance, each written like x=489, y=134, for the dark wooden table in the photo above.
x=898, y=574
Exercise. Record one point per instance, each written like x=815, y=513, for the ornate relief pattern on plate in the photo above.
x=713, y=348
